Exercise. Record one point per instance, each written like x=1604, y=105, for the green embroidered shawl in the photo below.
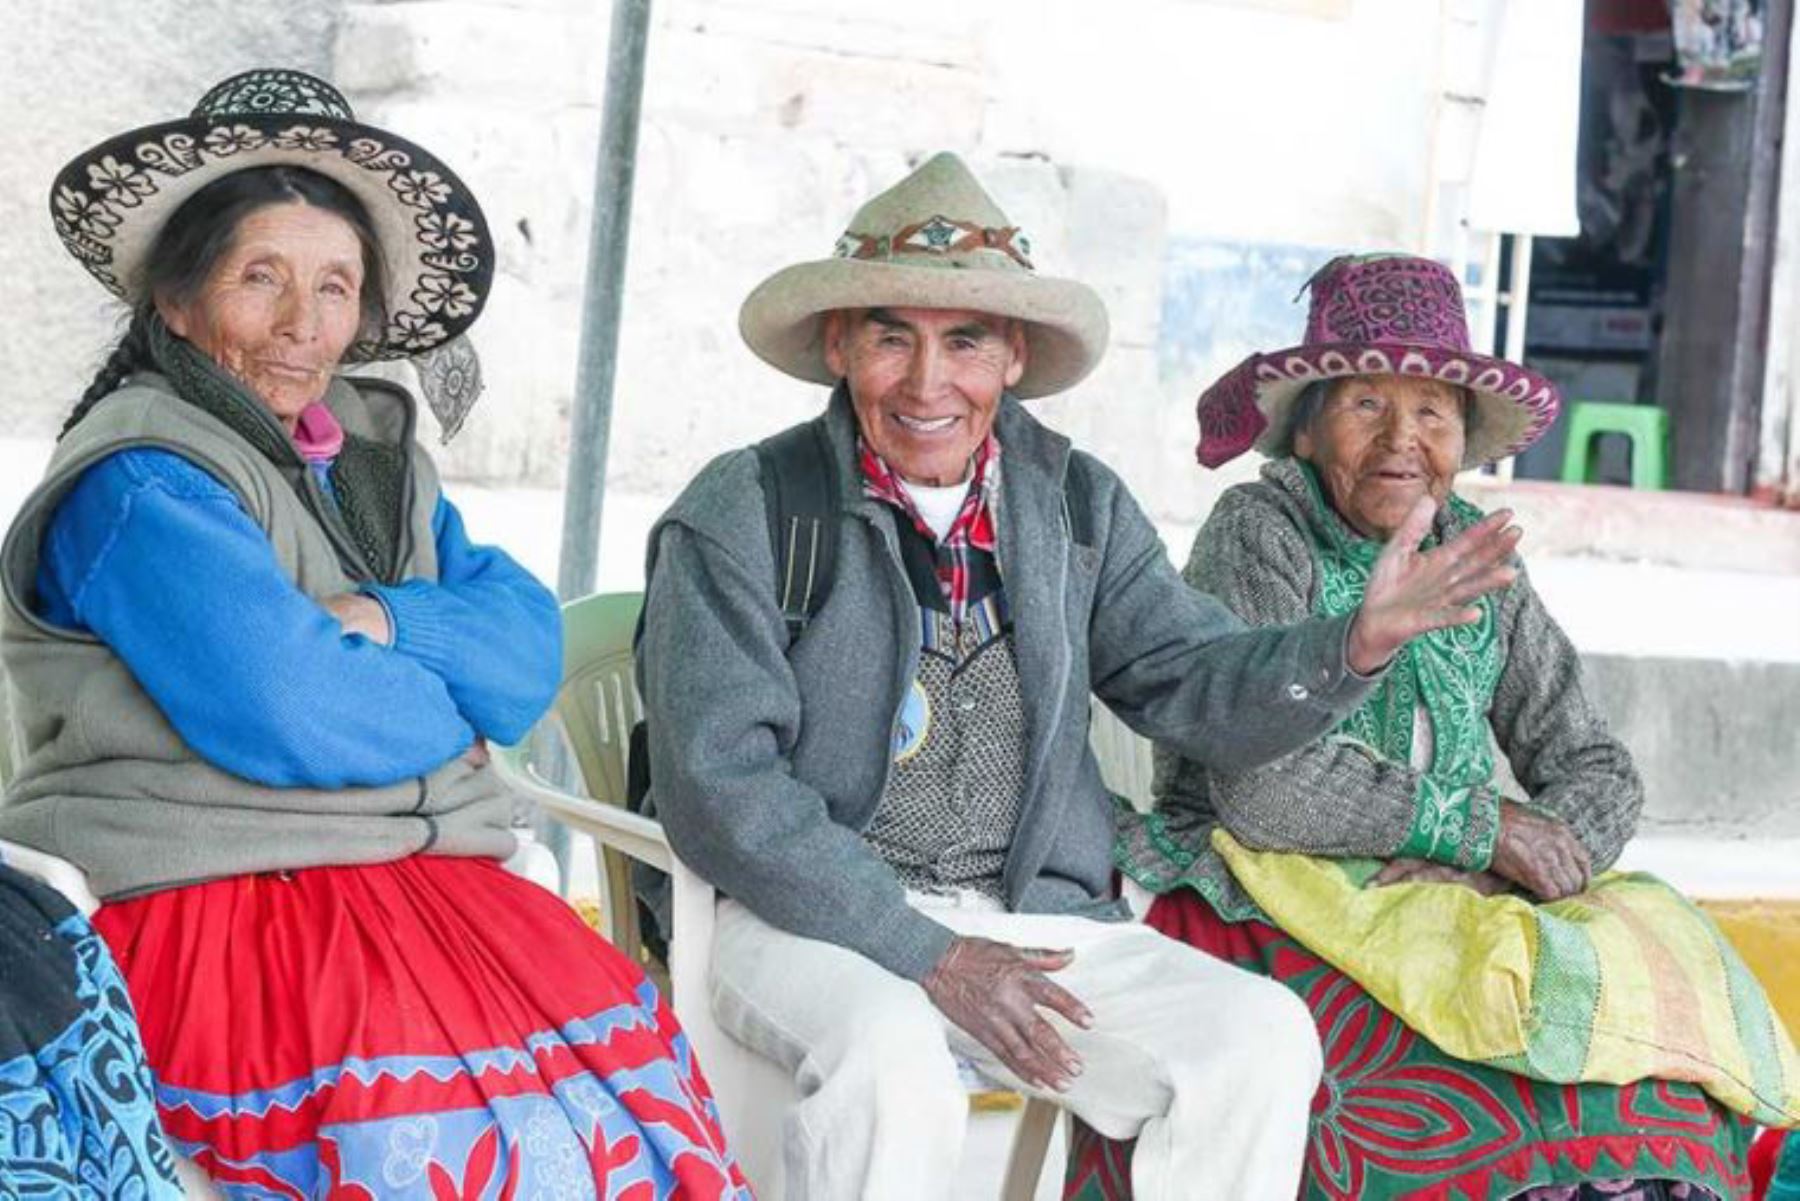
x=1451, y=673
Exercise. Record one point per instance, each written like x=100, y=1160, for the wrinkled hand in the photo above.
x=360, y=614
x=993, y=992
x=1540, y=853
x=1413, y=592
x=1424, y=871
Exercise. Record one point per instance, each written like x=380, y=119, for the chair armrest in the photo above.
x=692, y=912
x=532, y=860
x=59, y=874
x=610, y=825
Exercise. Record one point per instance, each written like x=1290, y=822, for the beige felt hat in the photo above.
x=935, y=240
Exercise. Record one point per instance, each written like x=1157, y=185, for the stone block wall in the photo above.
x=765, y=124
x=763, y=128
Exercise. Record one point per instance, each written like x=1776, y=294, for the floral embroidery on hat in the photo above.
x=108, y=204
x=1382, y=314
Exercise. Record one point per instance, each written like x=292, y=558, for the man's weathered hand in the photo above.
x=993, y=992
x=360, y=614
x=1424, y=871
x=1540, y=853
x=1413, y=592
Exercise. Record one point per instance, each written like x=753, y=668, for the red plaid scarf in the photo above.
x=972, y=531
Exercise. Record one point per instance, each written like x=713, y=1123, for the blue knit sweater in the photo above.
x=157, y=558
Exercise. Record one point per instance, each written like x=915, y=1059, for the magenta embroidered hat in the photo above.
x=1376, y=314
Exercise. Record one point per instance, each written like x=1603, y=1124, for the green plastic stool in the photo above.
x=1646, y=425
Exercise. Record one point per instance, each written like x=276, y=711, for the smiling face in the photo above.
x=1380, y=442
x=925, y=383
x=280, y=307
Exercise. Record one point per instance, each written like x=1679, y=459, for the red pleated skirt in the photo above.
x=433, y=1027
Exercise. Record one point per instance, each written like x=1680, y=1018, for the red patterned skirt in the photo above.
x=431, y=1028
x=1395, y=1117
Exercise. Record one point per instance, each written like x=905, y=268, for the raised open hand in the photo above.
x=1413, y=591
x=993, y=990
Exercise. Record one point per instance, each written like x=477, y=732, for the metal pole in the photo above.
x=590, y=421
x=1518, y=301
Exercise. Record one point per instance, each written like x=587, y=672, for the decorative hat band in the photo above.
x=940, y=235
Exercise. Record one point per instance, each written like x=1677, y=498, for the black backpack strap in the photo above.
x=800, y=486
x=1078, y=513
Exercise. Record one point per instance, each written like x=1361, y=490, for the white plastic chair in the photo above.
x=533, y=862
x=596, y=708
x=59, y=874
x=1124, y=756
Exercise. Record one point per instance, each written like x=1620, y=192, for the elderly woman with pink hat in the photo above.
x=1377, y=411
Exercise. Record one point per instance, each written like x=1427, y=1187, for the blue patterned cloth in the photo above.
x=77, y=1112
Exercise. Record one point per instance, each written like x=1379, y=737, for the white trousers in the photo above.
x=1212, y=1069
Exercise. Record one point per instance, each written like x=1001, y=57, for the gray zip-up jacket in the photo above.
x=768, y=760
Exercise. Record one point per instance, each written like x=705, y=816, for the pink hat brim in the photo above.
x=1249, y=405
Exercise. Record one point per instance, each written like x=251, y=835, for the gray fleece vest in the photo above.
x=106, y=782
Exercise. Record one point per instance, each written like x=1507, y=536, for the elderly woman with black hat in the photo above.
x=1369, y=419
x=255, y=659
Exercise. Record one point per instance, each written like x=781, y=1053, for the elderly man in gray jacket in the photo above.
x=899, y=802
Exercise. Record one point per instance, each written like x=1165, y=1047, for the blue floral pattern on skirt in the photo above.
x=77, y=1109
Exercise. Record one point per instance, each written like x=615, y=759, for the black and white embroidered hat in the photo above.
x=109, y=204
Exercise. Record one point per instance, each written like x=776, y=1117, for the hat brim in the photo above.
x=109, y=204
x=1514, y=405
x=1066, y=325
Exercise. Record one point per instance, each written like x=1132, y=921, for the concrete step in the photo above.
x=1715, y=741
x=1693, y=530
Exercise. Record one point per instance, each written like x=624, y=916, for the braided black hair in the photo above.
x=191, y=243
x=130, y=353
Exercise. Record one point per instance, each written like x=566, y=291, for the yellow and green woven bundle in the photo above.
x=1624, y=982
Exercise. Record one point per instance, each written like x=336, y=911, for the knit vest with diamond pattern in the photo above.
x=947, y=817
